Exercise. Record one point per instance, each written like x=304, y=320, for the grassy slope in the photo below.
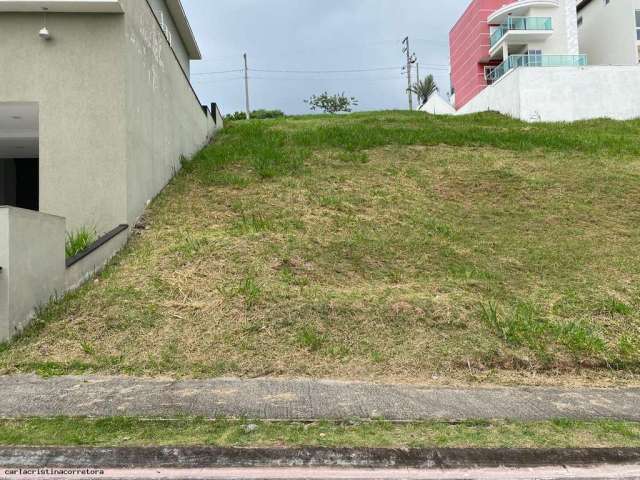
x=376, y=246
x=234, y=433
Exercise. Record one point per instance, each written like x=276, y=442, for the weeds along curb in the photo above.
x=209, y=457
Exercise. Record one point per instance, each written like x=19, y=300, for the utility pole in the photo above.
x=411, y=59
x=418, y=82
x=246, y=87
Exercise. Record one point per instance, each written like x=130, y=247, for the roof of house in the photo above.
x=184, y=29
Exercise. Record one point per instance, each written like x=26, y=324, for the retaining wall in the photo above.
x=563, y=94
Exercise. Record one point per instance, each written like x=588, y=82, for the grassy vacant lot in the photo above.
x=238, y=433
x=386, y=246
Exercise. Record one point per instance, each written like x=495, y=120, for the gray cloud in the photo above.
x=317, y=35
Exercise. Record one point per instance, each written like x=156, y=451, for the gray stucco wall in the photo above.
x=116, y=109
x=32, y=261
x=164, y=118
x=117, y=113
x=4, y=275
x=160, y=10
x=78, y=79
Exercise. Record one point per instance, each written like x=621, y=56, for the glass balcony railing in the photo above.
x=516, y=61
x=521, y=23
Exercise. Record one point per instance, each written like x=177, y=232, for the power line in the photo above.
x=437, y=67
x=218, y=72
x=298, y=79
x=360, y=70
x=322, y=79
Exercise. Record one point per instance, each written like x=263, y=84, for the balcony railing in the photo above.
x=521, y=23
x=515, y=61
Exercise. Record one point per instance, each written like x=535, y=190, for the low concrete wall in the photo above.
x=85, y=267
x=563, y=94
x=33, y=270
x=33, y=265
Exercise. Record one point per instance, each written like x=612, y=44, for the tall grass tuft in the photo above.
x=79, y=241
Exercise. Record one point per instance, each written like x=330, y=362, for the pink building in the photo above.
x=469, y=42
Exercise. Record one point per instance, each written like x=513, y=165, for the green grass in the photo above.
x=381, y=246
x=78, y=241
x=243, y=433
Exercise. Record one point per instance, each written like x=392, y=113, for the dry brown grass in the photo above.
x=374, y=265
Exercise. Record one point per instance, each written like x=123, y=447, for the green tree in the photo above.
x=332, y=103
x=424, y=89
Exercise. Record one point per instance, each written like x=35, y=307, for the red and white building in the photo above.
x=495, y=36
x=469, y=50
x=502, y=52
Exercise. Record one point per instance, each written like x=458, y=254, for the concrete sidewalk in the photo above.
x=270, y=399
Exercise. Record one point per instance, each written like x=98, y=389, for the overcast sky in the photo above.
x=317, y=35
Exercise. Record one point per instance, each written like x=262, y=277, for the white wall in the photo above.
x=564, y=39
x=608, y=35
x=563, y=94
x=502, y=97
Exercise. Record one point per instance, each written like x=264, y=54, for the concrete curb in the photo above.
x=213, y=457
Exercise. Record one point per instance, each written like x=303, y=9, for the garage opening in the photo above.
x=19, y=155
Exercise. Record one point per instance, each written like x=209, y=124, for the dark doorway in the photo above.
x=19, y=183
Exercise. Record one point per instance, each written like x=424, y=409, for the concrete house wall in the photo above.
x=117, y=111
x=608, y=32
x=78, y=80
x=32, y=272
x=162, y=13
x=164, y=118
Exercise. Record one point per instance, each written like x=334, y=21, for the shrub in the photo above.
x=236, y=116
x=264, y=114
x=255, y=114
x=332, y=103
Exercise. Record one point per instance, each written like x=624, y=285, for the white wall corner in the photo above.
x=571, y=19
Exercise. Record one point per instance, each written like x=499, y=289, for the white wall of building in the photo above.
x=564, y=40
x=608, y=32
x=563, y=94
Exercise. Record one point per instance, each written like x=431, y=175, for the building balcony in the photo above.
x=520, y=31
x=521, y=8
x=521, y=24
x=517, y=61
